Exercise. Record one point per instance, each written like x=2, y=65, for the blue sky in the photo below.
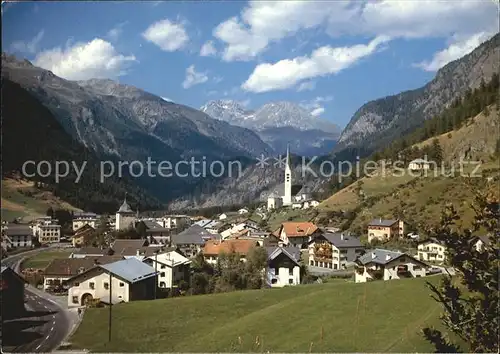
x=331, y=57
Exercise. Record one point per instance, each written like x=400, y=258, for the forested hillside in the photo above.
x=30, y=132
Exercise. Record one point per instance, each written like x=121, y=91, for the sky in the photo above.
x=331, y=57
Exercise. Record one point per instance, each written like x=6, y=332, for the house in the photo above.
x=191, y=241
x=297, y=234
x=334, y=250
x=274, y=202
x=418, y=165
x=12, y=293
x=243, y=211
x=283, y=266
x=47, y=232
x=84, y=218
x=211, y=226
x=122, y=281
x=6, y=242
x=172, y=268
x=158, y=233
x=383, y=230
x=61, y=269
x=175, y=222
x=223, y=216
x=82, y=235
x=125, y=217
x=380, y=264
x=213, y=248
x=431, y=250
x=19, y=235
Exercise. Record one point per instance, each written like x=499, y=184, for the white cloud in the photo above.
x=317, y=111
x=208, y=49
x=315, y=106
x=95, y=59
x=454, y=51
x=323, y=61
x=194, y=78
x=261, y=23
x=116, y=31
x=167, y=35
x=306, y=86
x=30, y=46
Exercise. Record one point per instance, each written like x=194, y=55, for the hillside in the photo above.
x=31, y=132
x=420, y=199
x=379, y=122
x=337, y=317
x=21, y=198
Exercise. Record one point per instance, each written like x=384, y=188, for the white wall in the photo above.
x=283, y=278
x=77, y=223
x=120, y=289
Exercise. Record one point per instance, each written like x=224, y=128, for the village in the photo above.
x=127, y=257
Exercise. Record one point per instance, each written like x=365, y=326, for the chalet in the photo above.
x=122, y=281
x=61, y=269
x=334, y=250
x=283, y=266
x=431, y=250
x=383, y=230
x=172, y=268
x=213, y=248
x=191, y=241
x=82, y=235
x=297, y=234
x=19, y=235
x=380, y=264
x=12, y=293
x=84, y=218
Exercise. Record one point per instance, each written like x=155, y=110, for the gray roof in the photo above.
x=84, y=214
x=194, y=235
x=18, y=230
x=382, y=222
x=131, y=270
x=125, y=208
x=292, y=252
x=379, y=256
x=151, y=225
x=340, y=240
x=431, y=239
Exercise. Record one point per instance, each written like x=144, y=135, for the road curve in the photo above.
x=43, y=326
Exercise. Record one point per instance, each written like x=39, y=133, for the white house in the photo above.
x=418, y=165
x=380, y=264
x=18, y=235
x=83, y=218
x=283, y=266
x=243, y=211
x=172, y=267
x=223, y=216
x=274, y=202
x=431, y=250
x=121, y=281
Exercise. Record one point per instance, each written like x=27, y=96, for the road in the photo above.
x=42, y=327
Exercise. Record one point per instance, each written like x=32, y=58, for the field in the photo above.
x=42, y=259
x=20, y=199
x=333, y=317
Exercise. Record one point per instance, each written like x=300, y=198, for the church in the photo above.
x=287, y=194
x=125, y=216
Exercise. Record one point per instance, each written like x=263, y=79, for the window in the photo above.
x=162, y=284
x=121, y=285
x=75, y=299
x=274, y=281
x=162, y=274
x=290, y=281
x=106, y=285
x=77, y=284
x=92, y=285
x=162, y=266
x=312, y=263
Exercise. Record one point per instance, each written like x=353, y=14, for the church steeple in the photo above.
x=287, y=155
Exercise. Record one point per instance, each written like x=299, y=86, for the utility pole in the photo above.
x=110, y=306
x=156, y=271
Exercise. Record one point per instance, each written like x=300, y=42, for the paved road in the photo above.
x=41, y=328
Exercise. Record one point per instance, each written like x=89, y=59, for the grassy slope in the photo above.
x=371, y=317
x=16, y=204
x=42, y=259
x=421, y=199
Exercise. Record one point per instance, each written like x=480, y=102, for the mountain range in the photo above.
x=279, y=124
